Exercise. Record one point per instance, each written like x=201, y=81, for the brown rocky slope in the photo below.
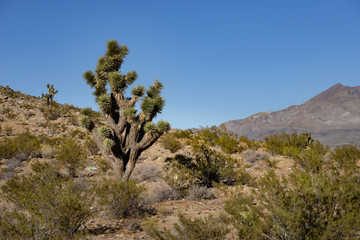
x=21, y=112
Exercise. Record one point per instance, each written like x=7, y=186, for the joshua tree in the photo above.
x=127, y=133
x=49, y=97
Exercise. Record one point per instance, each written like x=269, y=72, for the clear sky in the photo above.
x=218, y=60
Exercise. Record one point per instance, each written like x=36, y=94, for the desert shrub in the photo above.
x=205, y=168
x=192, y=229
x=27, y=143
x=146, y=172
x=183, y=133
x=91, y=146
x=288, y=144
x=159, y=191
x=52, y=113
x=47, y=206
x=23, y=143
x=179, y=173
x=103, y=165
x=250, y=143
x=8, y=148
x=28, y=106
x=310, y=160
x=170, y=142
x=11, y=115
x=252, y=156
x=346, y=154
x=121, y=198
x=319, y=202
x=197, y=193
x=71, y=155
x=10, y=167
x=77, y=133
x=218, y=136
x=271, y=163
x=46, y=151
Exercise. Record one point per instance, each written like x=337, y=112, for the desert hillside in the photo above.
x=333, y=117
x=203, y=175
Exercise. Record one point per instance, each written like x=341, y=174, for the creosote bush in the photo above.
x=347, y=154
x=24, y=142
x=205, y=168
x=289, y=144
x=47, y=206
x=71, y=155
x=170, y=142
x=319, y=200
x=121, y=198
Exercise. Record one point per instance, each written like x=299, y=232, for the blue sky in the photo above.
x=219, y=60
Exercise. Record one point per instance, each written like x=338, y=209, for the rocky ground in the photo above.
x=20, y=112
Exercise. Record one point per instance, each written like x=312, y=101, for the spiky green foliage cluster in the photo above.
x=104, y=131
x=138, y=91
x=87, y=111
x=130, y=112
x=104, y=102
x=153, y=103
x=159, y=128
x=117, y=82
x=108, y=143
x=86, y=122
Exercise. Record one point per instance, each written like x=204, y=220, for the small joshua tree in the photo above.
x=127, y=133
x=49, y=97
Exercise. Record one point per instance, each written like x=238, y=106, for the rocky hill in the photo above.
x=333, y=117
x=195, y=173
x=22, y=113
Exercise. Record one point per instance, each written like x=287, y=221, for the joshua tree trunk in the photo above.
x=126, y=133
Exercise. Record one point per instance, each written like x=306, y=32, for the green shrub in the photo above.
x=192, y=229
x=121, y=198
x=205, y=168
x=289, y=145
x=170, y=142
x=8, y=148
x=103, y=165
x=347, y=154
x=71, y=155
x=47, y=206
x=52, y=113
x=183, y=133
x=319, y=202
x=25, y=143
x=250, y=143
x=218, y=136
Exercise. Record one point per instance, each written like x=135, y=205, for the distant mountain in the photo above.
x=333, y=117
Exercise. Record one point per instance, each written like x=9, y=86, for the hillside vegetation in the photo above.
x=191, y=184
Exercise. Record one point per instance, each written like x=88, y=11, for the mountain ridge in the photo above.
x=326, y=115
